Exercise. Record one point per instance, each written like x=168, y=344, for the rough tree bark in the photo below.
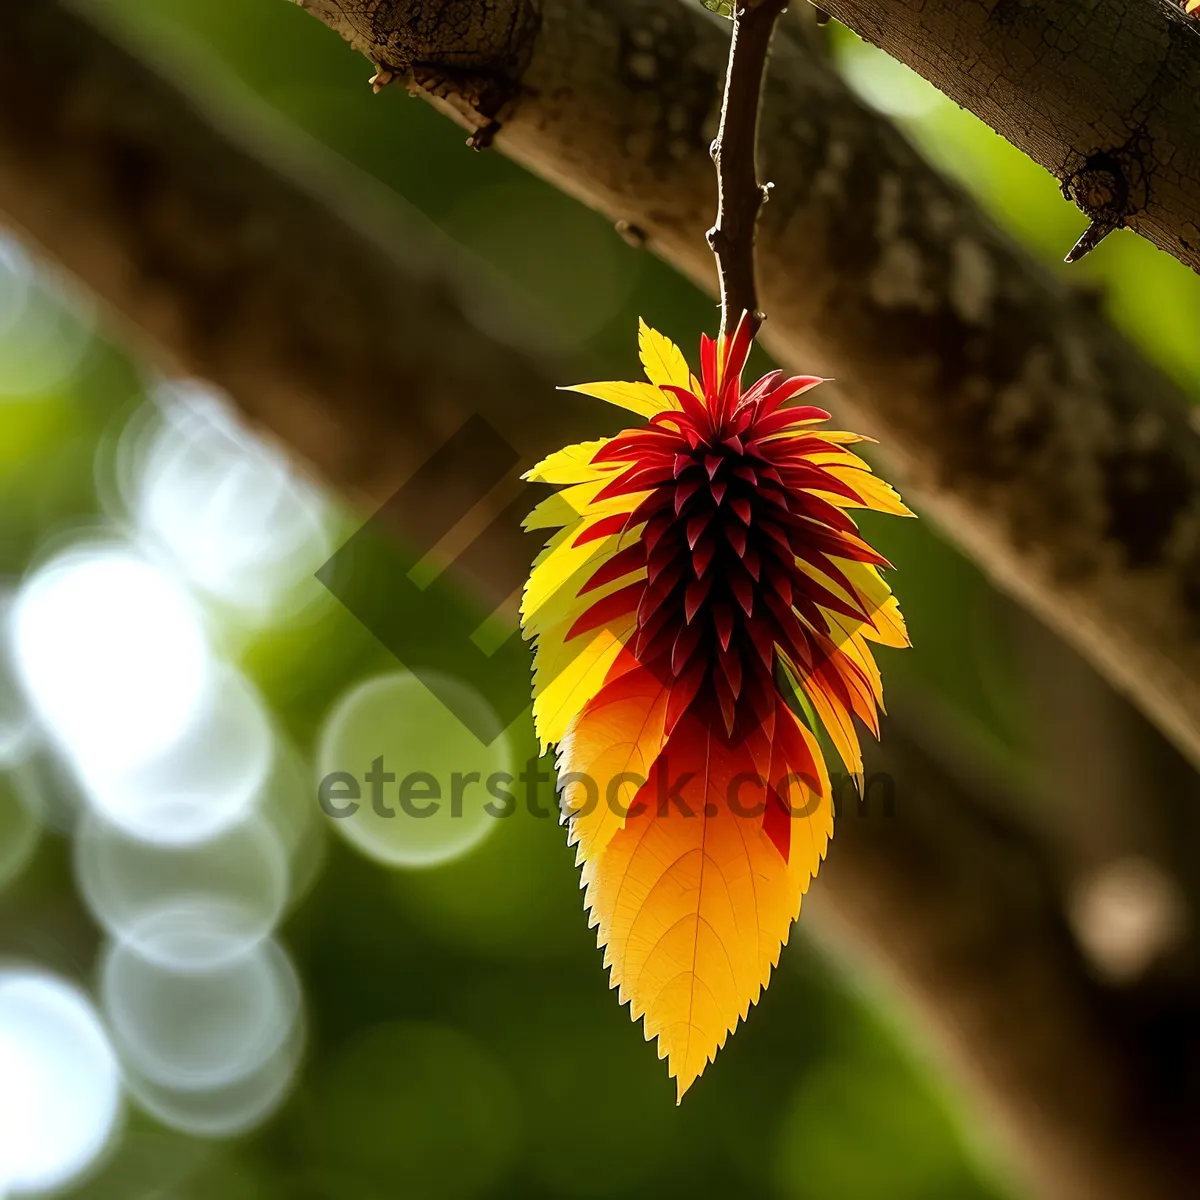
x=1007, y=406
x=1105, y=94
x=360, y=356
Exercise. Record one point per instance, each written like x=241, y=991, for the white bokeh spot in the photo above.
x=60, y=1094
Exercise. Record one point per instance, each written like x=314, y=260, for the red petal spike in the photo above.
x=685, y=646
x=607, y=609
x=787, y=418
x=788, y=390
x=696, y=526
x=737, y=350
x=684, y=492
x=694, y=409
x=683, y=691
x=697, y=591
x=601, y=529
x=654, y=595
x=727, y=702
x=743, y=588
x=656, y=527
x=636, y=479
x=624, y=562
x=708, y=369
x=723, y=621
x=763, y=642
x=781, y=583
x=648, y=507
x=664, y=555
x=731, y=665
x=762, y=389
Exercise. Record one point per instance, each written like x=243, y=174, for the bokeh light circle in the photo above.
x=111, y=654
x=286, y=804
x=231, y=511
x=188, y=906
x=206, y=781
x=231, y=1110
x=199, y=1030
x=436, y=809
x=60, y=1094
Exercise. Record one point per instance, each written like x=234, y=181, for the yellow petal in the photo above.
x=849, y=638
x=552, y=592
x=642, y=398
x=662, y=359
x=837, y=722
x=572, y=465
x=876, y=494
x=887, y=626
x=839, y=437
x=567, y=675
x=575, y=505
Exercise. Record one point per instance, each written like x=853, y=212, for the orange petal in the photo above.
x=693, y=900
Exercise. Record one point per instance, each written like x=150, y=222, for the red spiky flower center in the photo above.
x=737, y=522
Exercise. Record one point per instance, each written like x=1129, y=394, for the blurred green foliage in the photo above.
x=462, y=1038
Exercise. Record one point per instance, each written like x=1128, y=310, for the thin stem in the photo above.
x=741, y=196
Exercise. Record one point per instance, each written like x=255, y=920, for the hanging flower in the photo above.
x=704, y=606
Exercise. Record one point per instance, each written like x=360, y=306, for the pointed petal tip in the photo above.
x=683, y=1083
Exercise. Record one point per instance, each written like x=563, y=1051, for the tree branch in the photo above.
x=740, y=196
x=359, y=355
x=908, y=893
x=326, y=327
x=1009, y=409
x=1102, y=94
